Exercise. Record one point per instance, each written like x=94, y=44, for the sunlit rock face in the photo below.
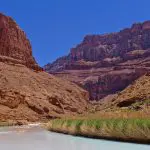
x=115, y=59
x=14, y=45
x=98, y=47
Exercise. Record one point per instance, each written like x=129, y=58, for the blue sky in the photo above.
x=55, y=26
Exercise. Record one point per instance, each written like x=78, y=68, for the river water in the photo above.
x=35, y=138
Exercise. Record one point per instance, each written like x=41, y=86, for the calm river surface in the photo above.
x=35, y=138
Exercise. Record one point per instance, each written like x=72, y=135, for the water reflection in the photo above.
x=35, y=138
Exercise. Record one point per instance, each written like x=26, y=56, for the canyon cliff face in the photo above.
x=14, y=46
x=27, y=93
x=106, y=64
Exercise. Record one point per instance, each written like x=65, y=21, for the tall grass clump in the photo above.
x=137, y=130
x=3, y=124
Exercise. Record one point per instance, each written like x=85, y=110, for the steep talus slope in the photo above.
x=29, y=95
x=106, y=64
x=26, y=92
x=135, y=96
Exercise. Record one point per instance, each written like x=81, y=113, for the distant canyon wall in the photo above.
x=106, y=64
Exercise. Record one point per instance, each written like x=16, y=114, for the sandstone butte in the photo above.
x=106, y=64
x=27, y=93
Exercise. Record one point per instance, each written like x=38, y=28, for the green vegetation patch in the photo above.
x=3, y=124
x=132, y=129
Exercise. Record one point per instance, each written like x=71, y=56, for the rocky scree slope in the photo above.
x=26, y=92
x=107, y=64
x=135, y=97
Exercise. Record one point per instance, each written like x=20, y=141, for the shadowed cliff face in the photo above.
x=26, y=92
x=106, y=64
